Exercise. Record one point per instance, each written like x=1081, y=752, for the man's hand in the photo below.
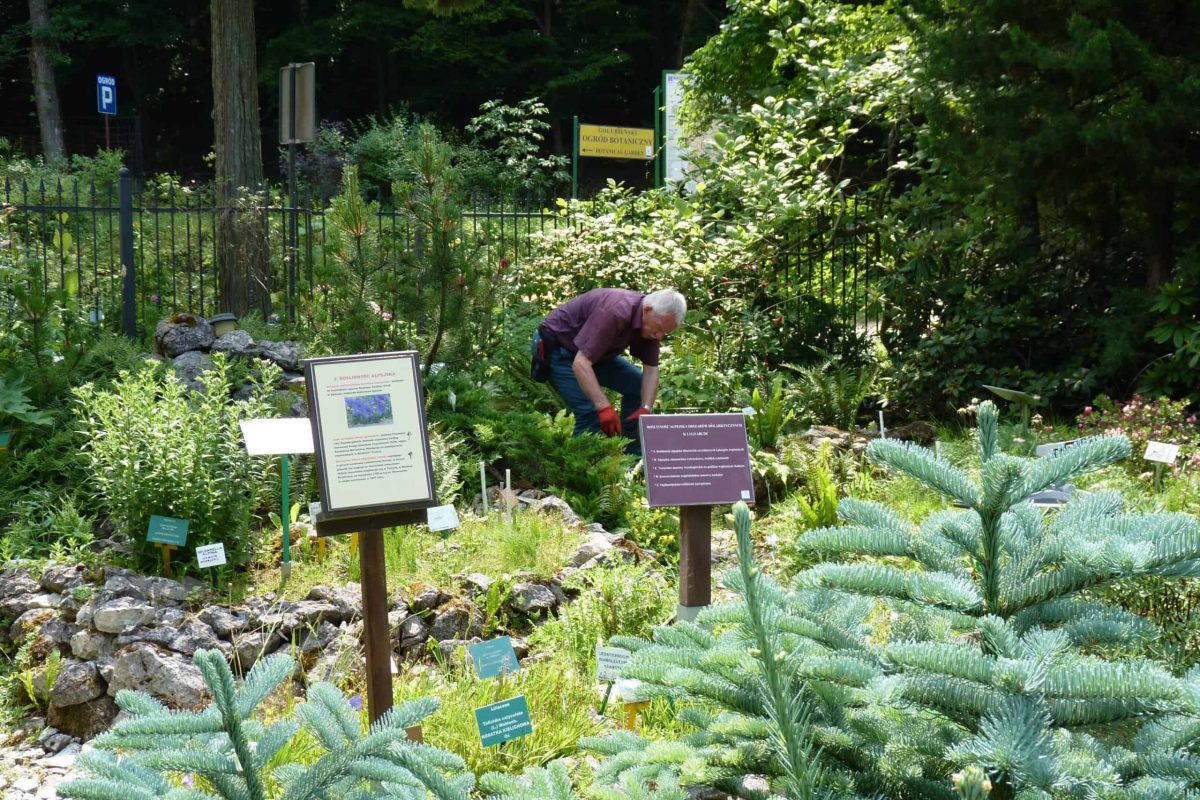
x=610, y=423
x=641, y=410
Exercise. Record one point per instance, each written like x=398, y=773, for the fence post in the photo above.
x=128, y=290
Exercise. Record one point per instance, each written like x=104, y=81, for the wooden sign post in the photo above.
x=374, y=470
x=696, y=461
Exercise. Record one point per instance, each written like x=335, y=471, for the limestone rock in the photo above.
x=414, y=632
x=458, y=619
x=236, y=343
x=347, y=599
x=59, y=578
x=167, y=676
x=249, y=647
x=532, y=598
x=159, y=591
x=187, y=334
x=194, y=635
x=77, y=682
x=122, y=614
x=189, y=367
x=85, y=720
x=16, y=582
x=28, y=624
x=224, y=622
x=477, y=584
x=286, y=355
x=557, y=505
x=90, y=645
x=427, y=599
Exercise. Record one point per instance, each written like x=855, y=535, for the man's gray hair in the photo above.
x=667, y=302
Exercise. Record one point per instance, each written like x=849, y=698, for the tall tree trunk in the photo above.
x=45, y=89
x=1160, y=242
x=686, y=21
x=241, y=253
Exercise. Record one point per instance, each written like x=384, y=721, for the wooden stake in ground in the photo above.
x=375, y=622
x=695, y=561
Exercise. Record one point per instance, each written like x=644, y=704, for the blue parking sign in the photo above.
x=106, y=94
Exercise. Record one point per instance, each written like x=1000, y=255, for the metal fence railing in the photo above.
x=133, y=254
x=84, y=236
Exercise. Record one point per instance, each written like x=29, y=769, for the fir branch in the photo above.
x=938, y=589
x=923, y=465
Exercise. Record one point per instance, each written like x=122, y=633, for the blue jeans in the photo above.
x=616, y=374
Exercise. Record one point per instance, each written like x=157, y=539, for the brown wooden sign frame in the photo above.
x=382, y=515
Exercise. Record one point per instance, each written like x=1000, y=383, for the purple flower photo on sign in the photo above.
x=368, y=409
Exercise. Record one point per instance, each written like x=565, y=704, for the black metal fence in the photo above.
x=136, y=253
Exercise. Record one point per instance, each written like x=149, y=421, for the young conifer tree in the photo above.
x=224, y=753
x=994, y=672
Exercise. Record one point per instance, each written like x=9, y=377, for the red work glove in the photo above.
x=610, y=423
x=641, y=410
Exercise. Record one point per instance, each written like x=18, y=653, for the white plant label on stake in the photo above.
x=610, y=661
x=210, y=555
x=442, y=518
x=314, y=510
x=1161, y=452
x=1054, y=448
x=882, y=430
x=748, y=411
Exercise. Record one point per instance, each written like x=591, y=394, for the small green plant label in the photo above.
x=167, y=530
x=504, y=721
x=5, y=438
x=494, y=657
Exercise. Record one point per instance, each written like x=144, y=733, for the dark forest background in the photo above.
x=600, y=59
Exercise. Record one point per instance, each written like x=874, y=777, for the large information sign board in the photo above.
x=696, y=459
x=369, y=430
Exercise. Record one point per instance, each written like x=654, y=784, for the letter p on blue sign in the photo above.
x=106, y=94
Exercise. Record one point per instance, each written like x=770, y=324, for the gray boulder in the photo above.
x=159, y=591
x=189, y=367
x=90, y=645
x=84, y=720
x=194, y=635
x=122, y=614
x=248, y=648
x=532, y=598
x=188, y=334
x=286, y=355
x=77, y=682
x=557, y=505
x=224, y=622
x=414, y=632
x=347, y=599
x=477, y=584
x=427, y=599
x=16, y=582
x=236, y=343
x=458, y=619
x=167, y=676
x=59, y=578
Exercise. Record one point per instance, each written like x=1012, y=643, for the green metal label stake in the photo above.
x=284, y=438
x=285, y=516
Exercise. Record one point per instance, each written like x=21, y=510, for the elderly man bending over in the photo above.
x=585, y=341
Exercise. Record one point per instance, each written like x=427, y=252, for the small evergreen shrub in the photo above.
x=964, y=656
x=225, y=753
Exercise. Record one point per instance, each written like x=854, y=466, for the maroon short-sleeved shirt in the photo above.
x=603, y=323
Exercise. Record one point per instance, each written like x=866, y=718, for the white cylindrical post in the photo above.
x=882, y=430
x=483, y=488
x=508, y=504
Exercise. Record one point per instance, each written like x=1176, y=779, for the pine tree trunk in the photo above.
x=45, y=89
x=1160, y=244
x=237, y=143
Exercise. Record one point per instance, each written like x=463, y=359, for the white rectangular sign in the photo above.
x=210, y=555
x=277, y=437
x=1054, y=448
x=442, y=518
x=610, y=661
x=369, y=428
x=1161, y=452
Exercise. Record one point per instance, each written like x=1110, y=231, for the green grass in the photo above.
x=533, y=542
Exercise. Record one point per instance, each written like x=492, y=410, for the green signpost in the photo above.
x=167, y=533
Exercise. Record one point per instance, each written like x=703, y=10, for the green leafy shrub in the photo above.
x=622, y=600
x=1141, y=421
x=771, y=415
x=225, y=753
x=151, y=447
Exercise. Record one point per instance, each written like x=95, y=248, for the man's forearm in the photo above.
x=582, y=367
x=649, y=386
